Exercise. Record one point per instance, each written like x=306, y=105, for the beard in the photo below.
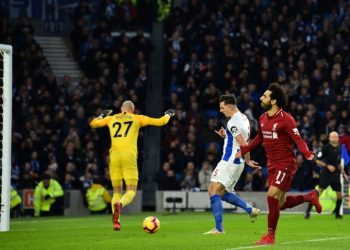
x=266, y=106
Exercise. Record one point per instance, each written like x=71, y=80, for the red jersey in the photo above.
x=278, y=135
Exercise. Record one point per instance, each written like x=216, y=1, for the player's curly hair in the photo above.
x=278, y=94
x=228, y=99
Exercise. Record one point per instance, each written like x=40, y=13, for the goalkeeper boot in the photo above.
x=116, y=216
x=267, y=239
x=215, y=231
x=314, y=198
x=254, y=214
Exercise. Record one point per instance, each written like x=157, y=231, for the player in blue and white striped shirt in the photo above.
x=229, y=169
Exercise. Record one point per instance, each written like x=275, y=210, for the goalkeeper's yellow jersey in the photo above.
x=124, y=128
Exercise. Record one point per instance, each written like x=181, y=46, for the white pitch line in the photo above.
x=248, y=247
x=312, y=240
x=291, y=243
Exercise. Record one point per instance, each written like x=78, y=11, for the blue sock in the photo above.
x=238, y=201
x=216, y=207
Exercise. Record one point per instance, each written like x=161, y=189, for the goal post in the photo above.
x=5, y=134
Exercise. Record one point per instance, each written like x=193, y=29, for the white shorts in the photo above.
x=227, y=173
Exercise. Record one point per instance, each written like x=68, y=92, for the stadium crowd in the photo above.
x=212, y=48
x=239, y=47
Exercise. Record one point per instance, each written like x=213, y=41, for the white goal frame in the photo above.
x=6, y=138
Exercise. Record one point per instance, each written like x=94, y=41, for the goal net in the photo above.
x=5, y=134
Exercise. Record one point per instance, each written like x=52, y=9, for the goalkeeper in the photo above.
x=124, y=129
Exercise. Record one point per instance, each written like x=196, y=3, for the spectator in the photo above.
x=162, y=176
x=189, y=182
x=303, y=176
x=238, y=49
x=170, y=182
x=248, y=183
x=204, y=175
x=15, y=173
x=71, y=177
x=344, y=137
x=258, y=180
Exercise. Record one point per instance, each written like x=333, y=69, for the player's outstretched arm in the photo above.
x=294, y=134
x=146, y=120
x=99, y=121
x=253, y=164
x=105, y=112
x=253, y=144
x=248, y=161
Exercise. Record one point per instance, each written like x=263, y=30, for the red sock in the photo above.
x=292, y=201
x=308, y=197
x=274, y=214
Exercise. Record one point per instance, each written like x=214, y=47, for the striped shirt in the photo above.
x=238, y=124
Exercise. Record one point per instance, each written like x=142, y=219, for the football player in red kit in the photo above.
x=278, y=133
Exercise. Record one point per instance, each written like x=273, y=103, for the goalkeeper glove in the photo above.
x=170, y=112
x=105, y=113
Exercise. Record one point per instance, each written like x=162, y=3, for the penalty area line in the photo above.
x=291, y=242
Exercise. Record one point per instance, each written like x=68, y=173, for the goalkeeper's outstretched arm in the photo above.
x=159, y=121
x=105, y=112
x=102, y=119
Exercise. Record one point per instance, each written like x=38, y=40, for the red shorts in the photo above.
x=280, y=179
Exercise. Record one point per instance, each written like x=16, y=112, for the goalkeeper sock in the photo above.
x=128, y=197
x=216, y=207
x=116, y=198
x=237, y=201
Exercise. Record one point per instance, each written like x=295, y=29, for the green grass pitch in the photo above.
x=180, y=231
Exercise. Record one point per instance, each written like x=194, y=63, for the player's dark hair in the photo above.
x=278, y=94
x=228, y=99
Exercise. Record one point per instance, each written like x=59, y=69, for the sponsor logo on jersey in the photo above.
x=269, y=134
x=274, y=135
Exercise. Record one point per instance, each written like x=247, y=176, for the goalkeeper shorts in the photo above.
x=123, y=164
